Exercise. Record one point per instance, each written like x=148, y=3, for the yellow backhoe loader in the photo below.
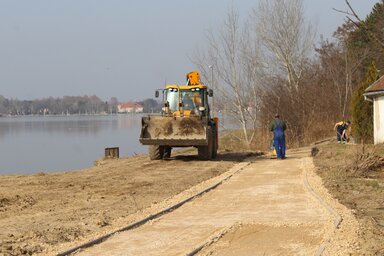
x=185, y=121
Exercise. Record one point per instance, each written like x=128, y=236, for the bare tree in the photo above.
x=270, y=51
x=340, y=64
x=355, y=19
x=286, y=37
x=287, y=42
x=353, y=59
x=231, y=56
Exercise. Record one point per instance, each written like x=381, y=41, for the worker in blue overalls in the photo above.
x=278, y=127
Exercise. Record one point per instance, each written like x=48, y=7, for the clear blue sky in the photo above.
x=121, y=48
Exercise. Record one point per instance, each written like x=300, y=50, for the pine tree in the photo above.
x=368, y=39
x=362, y=111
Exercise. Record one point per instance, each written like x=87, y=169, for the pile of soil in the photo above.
x=44, y=213
x=354, y=174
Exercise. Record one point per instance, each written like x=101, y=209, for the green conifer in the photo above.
x=362, y=111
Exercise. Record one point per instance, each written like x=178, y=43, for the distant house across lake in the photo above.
x=129, y=107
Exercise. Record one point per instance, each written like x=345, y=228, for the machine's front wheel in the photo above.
x=156, y=152
x=167, y=152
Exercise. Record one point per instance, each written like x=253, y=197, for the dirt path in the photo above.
x=265, y=209
x=46, y=213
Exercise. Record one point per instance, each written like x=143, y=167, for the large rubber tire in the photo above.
x=205, y=152
x=156, y=152
x=214, y=143
x=167, y=152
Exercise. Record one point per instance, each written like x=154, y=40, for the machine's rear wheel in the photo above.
x=214, y=143
x=205, y=152
x=156, y=152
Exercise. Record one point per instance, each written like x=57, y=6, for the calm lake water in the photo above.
x=32, y=144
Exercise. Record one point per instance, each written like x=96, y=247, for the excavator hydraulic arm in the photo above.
x=193, y=78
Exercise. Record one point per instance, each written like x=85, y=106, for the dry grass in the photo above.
x=354, y=174
x=366, y=159
x=355, y=160
x=232, y=140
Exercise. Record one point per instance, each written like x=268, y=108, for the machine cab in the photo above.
x=187, y=100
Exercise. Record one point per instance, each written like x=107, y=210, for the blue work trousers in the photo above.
x=340, y=131
x=279, y=143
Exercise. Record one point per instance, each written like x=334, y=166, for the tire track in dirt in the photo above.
x=45, y=213
x=264, y=208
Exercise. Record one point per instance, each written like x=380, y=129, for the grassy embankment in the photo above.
x=354, y=174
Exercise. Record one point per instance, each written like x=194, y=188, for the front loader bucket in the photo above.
x=174, y=131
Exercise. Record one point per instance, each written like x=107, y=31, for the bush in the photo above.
x=362, y=111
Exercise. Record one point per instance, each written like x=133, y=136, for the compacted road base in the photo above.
x=264, y=209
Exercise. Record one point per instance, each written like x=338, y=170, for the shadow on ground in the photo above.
x=221, y=156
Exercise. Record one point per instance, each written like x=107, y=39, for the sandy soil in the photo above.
x=48, y=212
x=265, y=208
x=300, y=235
x=352, y=177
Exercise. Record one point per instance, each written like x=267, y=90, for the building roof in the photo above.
x=375, y=89
x=130, y=105
x=376, y=86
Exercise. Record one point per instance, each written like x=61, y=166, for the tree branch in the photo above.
x=359, y=23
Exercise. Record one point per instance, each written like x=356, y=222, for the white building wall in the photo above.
x=124, y=110
x=378, y=120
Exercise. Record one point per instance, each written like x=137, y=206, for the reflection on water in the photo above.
x=52, y=143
